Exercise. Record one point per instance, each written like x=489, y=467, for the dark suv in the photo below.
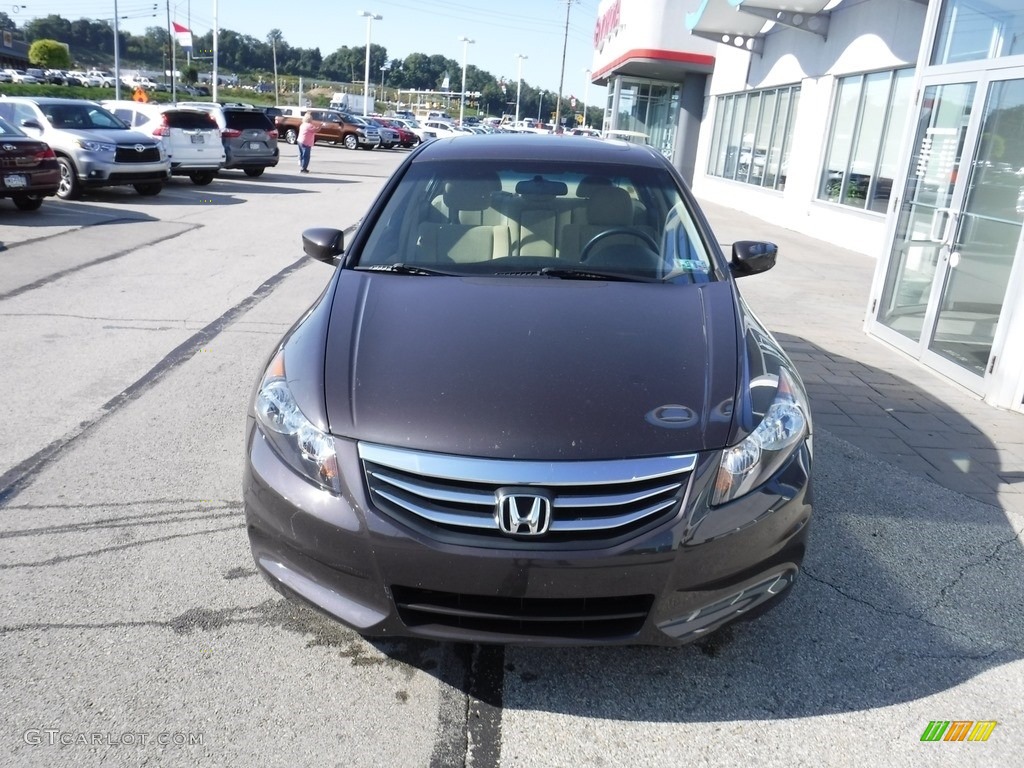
x=248, y=134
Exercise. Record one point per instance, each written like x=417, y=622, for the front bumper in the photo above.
x=93, y=172
x=670, y=585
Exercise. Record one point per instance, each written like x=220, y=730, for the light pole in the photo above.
x=465, y=51
x=519, y=81
x=541, y=105
x=561, y=77
x=383, y=69
x=370, y=18
x=586, y=93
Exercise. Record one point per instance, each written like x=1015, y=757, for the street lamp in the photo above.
x=370, y=18
x=519, y=81
x=541, y=105
x=383, y=69
x=465, y=50
x=586, y=93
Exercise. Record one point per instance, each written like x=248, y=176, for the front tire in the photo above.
x=28, y=202
x=351, y=142
x=291, y=136
x=254, y=172
x=149, y=190
x=70, y=188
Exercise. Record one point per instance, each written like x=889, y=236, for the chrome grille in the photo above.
x=128, y=154
x=454, y=497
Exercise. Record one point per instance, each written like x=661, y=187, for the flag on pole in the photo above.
x=183, y=35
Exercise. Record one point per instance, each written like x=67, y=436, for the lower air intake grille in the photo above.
x=591, y=618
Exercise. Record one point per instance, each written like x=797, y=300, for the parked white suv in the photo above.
x=190, y=136
x=93, y=147
x=107, y=79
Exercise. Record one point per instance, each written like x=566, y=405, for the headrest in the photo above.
x=588, y=184
x=610, y=206
x=473, y=194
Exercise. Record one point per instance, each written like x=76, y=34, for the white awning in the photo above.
x=742, y=23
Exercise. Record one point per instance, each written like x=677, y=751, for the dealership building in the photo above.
x=890, y=127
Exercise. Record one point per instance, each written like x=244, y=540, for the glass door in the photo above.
x=958, y=231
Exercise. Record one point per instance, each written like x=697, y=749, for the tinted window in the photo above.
x=241, y=119
x=80, y=116
x=188, y=120
x=6, y=129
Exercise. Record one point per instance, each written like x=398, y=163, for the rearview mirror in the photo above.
x=323, y=244
x=752, y=256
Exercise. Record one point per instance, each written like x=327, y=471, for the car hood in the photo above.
x=113, y=136
x=531, y=368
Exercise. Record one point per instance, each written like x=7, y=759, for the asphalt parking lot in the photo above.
x=135, y=629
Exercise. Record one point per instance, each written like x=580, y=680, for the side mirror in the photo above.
x=35, y=125
x=323, y=244
x=752, y=256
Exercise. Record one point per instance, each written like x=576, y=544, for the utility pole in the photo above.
x=561, y=77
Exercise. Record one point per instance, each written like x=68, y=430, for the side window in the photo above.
x=24, y=112
x=7, y=112
x=124, y=114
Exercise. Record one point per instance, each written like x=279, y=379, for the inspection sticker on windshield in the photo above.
x=692, y=265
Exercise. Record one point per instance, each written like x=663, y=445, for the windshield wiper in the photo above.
x=403, y=269
x=566, y=273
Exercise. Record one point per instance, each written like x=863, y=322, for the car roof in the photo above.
x=539, y=147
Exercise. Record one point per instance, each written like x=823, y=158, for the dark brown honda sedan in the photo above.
x=531, y=407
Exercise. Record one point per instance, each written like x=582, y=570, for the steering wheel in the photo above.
x=648, y=240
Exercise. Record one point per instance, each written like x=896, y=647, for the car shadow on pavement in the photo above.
x=908, y=589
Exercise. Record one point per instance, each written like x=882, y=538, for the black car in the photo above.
x=28, y=168
x=531, y=406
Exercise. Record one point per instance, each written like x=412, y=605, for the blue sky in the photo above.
x=501, y=29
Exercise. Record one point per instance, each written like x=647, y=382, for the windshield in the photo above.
x=552, y=219
x=81, y=116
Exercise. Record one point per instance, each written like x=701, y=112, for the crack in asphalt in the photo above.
x=59, y=559
x=155, y=518
x=889, y=611
x=15, y=479
x=54, y=276
x=971, y=565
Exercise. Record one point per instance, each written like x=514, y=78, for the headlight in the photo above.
x=306, y=449
x=95, y=146
x=751, y=462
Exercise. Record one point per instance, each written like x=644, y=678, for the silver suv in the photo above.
x=93, y=147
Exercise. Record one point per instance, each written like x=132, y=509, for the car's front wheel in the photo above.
x=149, y=190
x=291, y=136
x=351, y=142
x=254, y=172
x=69, y=188
x=202, y=178
x=28, y=202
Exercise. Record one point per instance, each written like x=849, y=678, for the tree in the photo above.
x=7, y=23
x=190, y=75
x=49, y=54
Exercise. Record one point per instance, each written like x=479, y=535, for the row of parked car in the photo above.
x=62, y=147
x=335, y=126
